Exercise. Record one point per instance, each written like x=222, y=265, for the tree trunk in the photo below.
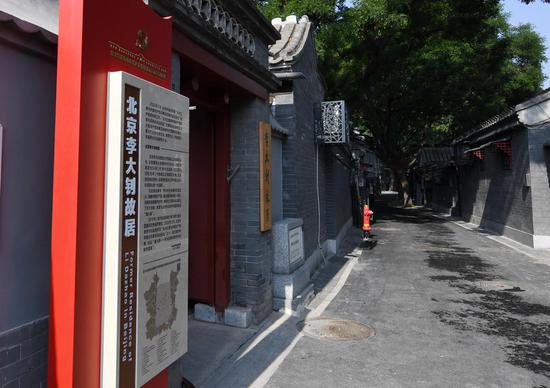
x=392, y=185
x=403, y=188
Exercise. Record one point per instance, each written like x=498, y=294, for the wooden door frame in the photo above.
x=221, y=294
x=222, y=215
x=213, y=99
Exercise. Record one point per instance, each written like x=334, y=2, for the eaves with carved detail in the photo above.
x=232, y=30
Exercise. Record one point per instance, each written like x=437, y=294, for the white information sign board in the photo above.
x=144, y=326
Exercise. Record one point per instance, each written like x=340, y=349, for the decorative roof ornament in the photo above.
x=294, y=34
x=222, y=21
x=142, y=41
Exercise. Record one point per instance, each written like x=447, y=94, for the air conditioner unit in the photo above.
x=331, y=123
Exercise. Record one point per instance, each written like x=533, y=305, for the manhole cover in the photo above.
x=335, y=329
x=498, y=286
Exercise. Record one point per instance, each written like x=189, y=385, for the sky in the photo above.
x=537, y=14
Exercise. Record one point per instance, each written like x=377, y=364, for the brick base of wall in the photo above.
x=334, y=244
x=520, y=236
x=24, y=355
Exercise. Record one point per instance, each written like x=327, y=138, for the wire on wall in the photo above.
x=318, y=205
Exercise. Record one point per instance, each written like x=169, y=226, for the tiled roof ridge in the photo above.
x=509, y=113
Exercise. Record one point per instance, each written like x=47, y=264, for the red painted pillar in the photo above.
x=87, y=31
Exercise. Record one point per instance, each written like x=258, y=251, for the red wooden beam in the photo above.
x=192, y=51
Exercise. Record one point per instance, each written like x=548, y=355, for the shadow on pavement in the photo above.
x=522, y=327
x=495, y=312
x=221, y=356
x=415, y=216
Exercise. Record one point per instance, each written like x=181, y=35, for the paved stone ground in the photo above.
x=450, y=307
x=215, y=365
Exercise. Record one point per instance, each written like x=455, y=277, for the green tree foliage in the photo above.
x=320, y=12
x=419, y=73
x=525, y=58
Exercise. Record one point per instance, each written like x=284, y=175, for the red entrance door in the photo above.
x=209, y=207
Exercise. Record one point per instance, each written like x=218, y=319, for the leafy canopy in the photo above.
x=320, y=12
x=419, y=72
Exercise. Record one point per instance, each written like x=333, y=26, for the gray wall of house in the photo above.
x=441, y=190
x=301, y=182
x=277, y=178
x=300, y=170
x=308, y=167
x=300, y=153
x=251, y=250
x=27, y=115
x=496, y=197
x=261, y=54
x=338, y=193
x=539, y=152
x=27, y=93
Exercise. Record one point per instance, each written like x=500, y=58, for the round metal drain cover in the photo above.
x=497, y=286
x=335, y=329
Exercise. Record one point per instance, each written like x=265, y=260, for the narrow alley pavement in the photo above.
x=450, y=308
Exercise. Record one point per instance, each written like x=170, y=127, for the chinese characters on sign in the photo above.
x=137, y=60
x=265, y=177
x=295, y=245
x=146, y=215
x=129, y=243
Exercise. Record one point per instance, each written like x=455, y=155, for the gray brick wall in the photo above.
x=300, y=164
x=251, y=250
x=261, y=54
x=300, y=168
x=441, y=189
x=334, y=181
x=27, y=171
x=497, y=195
x=25, y=209
x=338, y=194
x=300, y=182
x=540, y=178
x=24, y=355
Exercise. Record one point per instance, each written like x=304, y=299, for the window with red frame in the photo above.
x=505, y=148
x=480, y=154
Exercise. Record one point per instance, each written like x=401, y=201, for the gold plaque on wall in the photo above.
x=265, y=177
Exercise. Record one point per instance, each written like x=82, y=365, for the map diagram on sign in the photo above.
x=160, y=300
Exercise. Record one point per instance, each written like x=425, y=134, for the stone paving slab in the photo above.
x=210, y=345
x=222, y=356
x=451, y=308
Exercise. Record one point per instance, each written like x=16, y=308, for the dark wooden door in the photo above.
x=209, y=207
x=201, y=206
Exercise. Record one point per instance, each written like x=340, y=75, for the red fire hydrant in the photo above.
x=367, y=214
